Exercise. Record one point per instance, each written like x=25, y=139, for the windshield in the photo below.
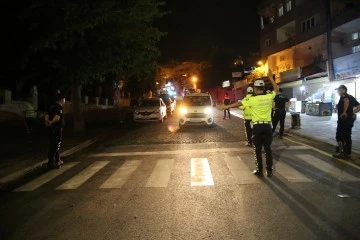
x=197, y=101
x=150, y=103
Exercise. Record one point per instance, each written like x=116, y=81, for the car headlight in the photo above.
x=183, y=110
x=208, y=110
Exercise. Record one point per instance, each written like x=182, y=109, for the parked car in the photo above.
x=152, y=109
x=196, y=109
x=170, y=103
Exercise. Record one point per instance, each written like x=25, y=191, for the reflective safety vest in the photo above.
x=29, y=111
x=247, y=110
x=261, y=106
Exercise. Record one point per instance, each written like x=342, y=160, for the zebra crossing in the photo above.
x=201, y=172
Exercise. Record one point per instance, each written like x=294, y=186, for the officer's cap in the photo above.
x=342, y=87
x=259, y=83
x=250, y=90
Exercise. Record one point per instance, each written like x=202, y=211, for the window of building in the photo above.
x=310, y=23
x=355, y=36
x=267, y=42
x=356, y=49
x=282, y=58
x=288, y=6
x=281, y=10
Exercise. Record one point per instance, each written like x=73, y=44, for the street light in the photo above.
x=260, y=63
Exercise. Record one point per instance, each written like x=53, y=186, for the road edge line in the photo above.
x=15, y=176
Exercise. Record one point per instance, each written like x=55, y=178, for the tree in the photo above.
x=82, y=41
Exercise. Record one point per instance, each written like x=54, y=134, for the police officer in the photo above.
x=227, y=101
x=281, y=103
x=346, y=118
x=54, y=120
x=248, y=118
x=261, y=105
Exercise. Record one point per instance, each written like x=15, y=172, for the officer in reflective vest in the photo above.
x=261, y=105
x=248, y=118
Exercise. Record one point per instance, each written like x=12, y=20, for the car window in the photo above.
x=197, y=101
x=149, y=103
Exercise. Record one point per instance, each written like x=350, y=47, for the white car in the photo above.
x=196, y=109
x=152, y=109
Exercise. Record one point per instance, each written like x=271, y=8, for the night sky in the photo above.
x=207, y=29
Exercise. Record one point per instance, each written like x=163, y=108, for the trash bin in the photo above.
x=295, y=120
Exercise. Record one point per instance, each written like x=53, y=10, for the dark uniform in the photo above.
x=55, y=134
x=279, y=112
x=261, y=106
x=227, y=101
x=344, y=125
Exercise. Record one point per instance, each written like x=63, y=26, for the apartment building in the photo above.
x=294, y=42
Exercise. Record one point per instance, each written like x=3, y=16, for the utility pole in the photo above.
x=329, y=41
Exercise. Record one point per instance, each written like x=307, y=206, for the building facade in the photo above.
x=294, y=42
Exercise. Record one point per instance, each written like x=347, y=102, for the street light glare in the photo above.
x=260, y=63
x=194, y=79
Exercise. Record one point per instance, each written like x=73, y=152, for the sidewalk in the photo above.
x=318, y=128
x=22, y=154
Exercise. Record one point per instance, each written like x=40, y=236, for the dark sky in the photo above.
x=215, y=30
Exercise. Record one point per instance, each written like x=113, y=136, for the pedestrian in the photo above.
x=248, y=118
x=54, y=120
x=348, y=106
x=261, y=105
x=281, y=103
x=227, y=101
x=30, y=116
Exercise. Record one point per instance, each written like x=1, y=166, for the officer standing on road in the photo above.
x=54, y=120
x=248, y=118
x=281, y=103
x=346, y=118
x=261, y=104
x=227, y=101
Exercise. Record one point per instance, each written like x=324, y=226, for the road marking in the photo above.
x=160, y=176
x=45, y=178
x=327, y=168
x=200, y=172
x=80, y=178
x=190, y=151
x=121, y=175
x=290, y=173
x=324, y=153
x=240, y=170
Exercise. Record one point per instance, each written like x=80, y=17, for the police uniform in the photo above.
x=227, y=101
x=280, y=112
x=344, y=125
x=248, y=118
x=55, y=135
x=261, y=106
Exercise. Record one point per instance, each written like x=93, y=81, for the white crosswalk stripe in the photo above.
x=45, y=178
x=83, y=176
x=327, y=168
x=290, y=173
x=160, y=176
x=200, y=172
x=240, y=171
x=120, y=176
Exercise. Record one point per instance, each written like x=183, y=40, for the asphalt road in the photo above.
x=148, y=181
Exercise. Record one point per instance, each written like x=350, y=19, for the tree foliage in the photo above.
x=85, y=40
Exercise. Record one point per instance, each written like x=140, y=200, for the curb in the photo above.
x=289, y=131
x=13, y=177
